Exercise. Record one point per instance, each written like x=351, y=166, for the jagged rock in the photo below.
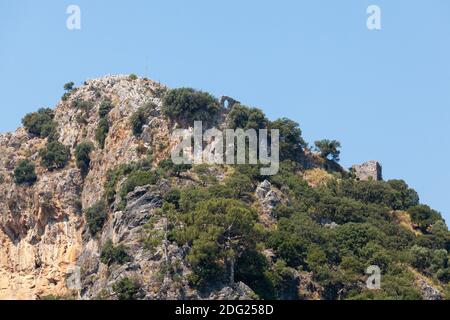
x=428, y=291
x=239, y=291
x=268, y=197
x=262, y=189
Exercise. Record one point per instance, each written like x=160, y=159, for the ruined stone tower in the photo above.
x=370, y=170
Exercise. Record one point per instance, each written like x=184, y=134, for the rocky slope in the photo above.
x=46, y=248
x=41, y=226
x=42, y=232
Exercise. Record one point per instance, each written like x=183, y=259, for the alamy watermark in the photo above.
x=73, y=21
x=228, y=147
x=374, y=280
x=374, y=18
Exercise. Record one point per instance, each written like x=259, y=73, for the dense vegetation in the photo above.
x=333, y=231
x=189, y=105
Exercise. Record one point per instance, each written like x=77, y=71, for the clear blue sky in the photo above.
x=384, y=94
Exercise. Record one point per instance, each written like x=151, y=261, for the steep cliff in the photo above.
x=41, y=225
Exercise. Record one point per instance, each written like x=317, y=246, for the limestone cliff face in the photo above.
x=41, y=226
x=42, y=229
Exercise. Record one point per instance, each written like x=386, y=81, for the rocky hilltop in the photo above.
x=41, y=225
x=112, y=230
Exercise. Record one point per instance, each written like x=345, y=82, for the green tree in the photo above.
x=24, y=173
x=103, y=124
x=246, y=118
x=291, y=141
x=329, y=149
x=352, y=237
x=101, y=132
x=293, y=237
x=55, y=155
x=69, y=86
x=221, y=230
x=403, y=196
x=173, y=197
x=189, y=105
x=83, y=156
x=40, y=123
x=95, y=217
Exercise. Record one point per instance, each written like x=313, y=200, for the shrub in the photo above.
x=138, y=178
x=132, y=76
x=24, y=173
x=83, y=105
x=113, y=178
x=40, y=123
x=126, y=289
x=186, y=104
x=352, y=237
x=113, y=254
x=105, y=107
x=96, y=217
x=83, y=158
x=65, y=96
x=167, y=168
x=173, y=197
x=102, y=132
x=103, y=124
x=49, y=131
x=139, y=118
x=55, y=155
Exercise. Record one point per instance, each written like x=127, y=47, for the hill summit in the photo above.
x=92, y=207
